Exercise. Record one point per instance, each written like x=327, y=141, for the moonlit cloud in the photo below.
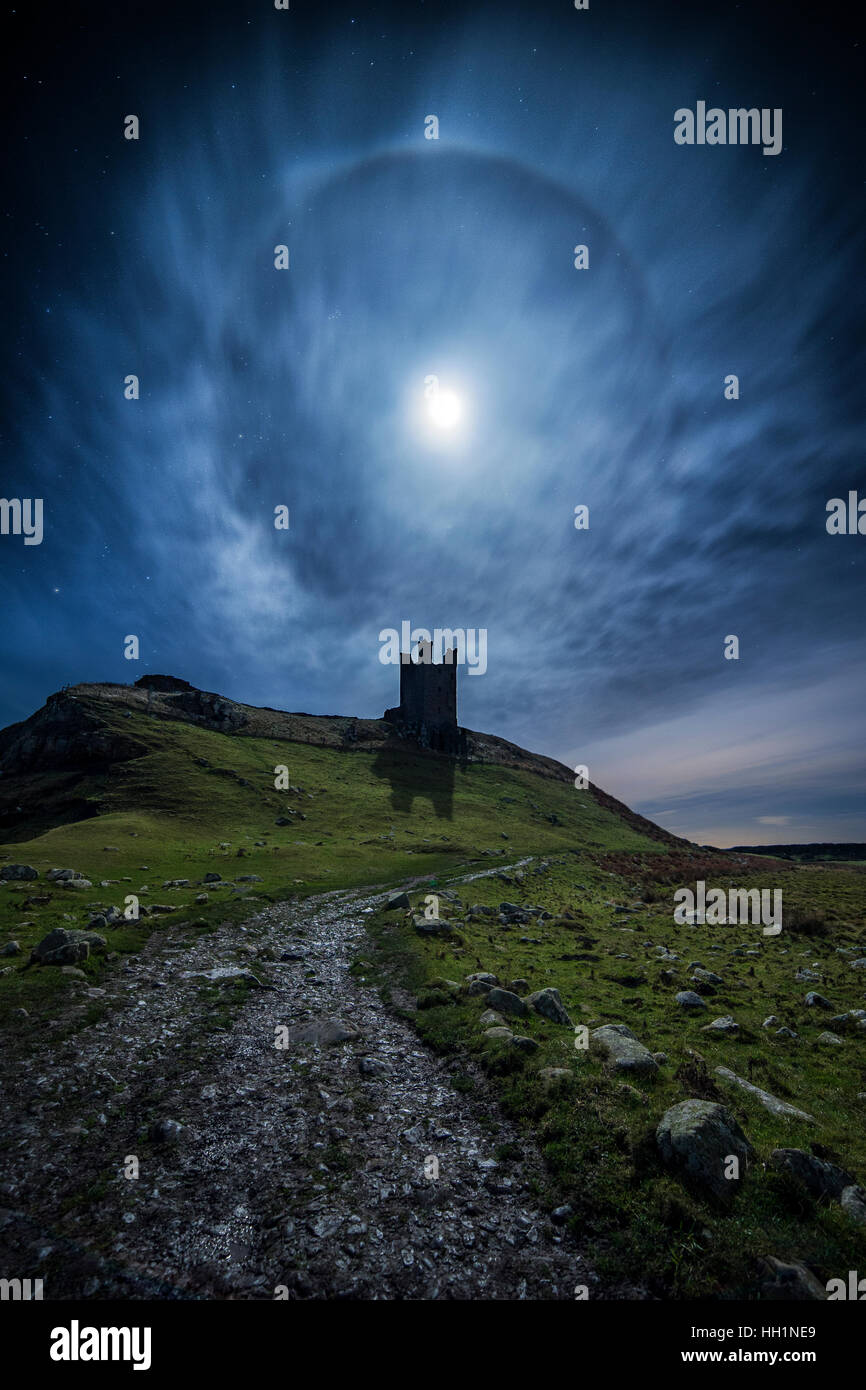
x=604, y=387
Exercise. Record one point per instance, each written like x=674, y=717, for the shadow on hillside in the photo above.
x=428, y=777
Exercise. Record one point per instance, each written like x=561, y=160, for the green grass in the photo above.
x=596, y=1134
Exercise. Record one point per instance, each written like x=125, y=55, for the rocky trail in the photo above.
x=303, y=1168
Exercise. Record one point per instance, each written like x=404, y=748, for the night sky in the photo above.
x=454, y=257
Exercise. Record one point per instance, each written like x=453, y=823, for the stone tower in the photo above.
x=428, y=700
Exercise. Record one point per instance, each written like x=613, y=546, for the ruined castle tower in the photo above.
x=428, y=700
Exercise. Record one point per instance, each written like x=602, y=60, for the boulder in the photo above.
x=12, y=948
x=820, y=1178
x=62, y=947
x=499, y=1034
x=323, y=1032
x=687, y=999
x=707, y=977
x=401, y=900
x=548, y=1003
x=696, y=1138
x=524, y=1044
x=507, y=1003
x=724, y=1025
x=814, y=1000
x=433, y=926
x=789, y=1281
x=479, y=987
x=622, y=1050
x=829, y=1040
x=18, y=871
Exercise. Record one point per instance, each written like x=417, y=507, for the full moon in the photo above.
x=445, y=409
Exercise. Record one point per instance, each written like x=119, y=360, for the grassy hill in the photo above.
x=137, y=790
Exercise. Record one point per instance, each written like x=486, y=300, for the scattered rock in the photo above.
x=789, y=1281
x=687, y=999
x=771, y=1103
x=324, y=1032
x=829, y=1040
x=524, y=1044
x=816, y=1001
x=401, y=900
x=853, y=1202
x=820, y=1178
x=548, y=1003
x=433, y=926
x=62, y=947
x=696, y=1138
x=622, y=1050
x=165, y=1131
x=12, y=948
x=507, y=1003
x=18, y=871
x=724, y=1025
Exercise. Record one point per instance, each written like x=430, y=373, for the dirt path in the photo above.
x=300, y=1166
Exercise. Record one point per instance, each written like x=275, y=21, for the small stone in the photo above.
x=816, y=1001
x=165, y=1131
x=687, y=999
